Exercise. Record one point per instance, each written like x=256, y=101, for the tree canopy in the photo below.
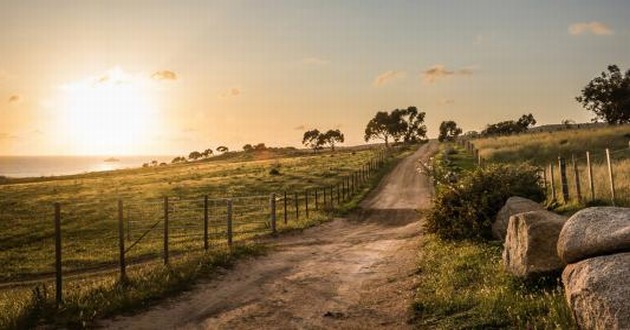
x=195, y=155
x=406, y=124
x=608, y=96
x=449, y=131
x=332, y=137
x=313, y=139
x=222, y=149
x=509, y=127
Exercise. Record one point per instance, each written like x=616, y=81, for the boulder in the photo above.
x=530, y=244
x=597, y=291
x=514, y=205
x=593, y=232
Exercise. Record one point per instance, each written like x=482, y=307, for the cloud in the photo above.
x=232, y=92
x=6, y=136
x=299, y=128
x=164, y=75
x=14, y=99
x=596, y=28
x=387, y=77
x=446, y=101
x=314, y=61
x=439, y=71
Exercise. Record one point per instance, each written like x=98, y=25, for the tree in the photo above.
x=406, y=124
x=449, y=131
x=509, y=127
x=207, y=153
x=260, y=147
x=608, y=96
x=178, y=159
x=416, y=131
x=313, y=139
x=195, y=155
x=248, y=148
x=378, y=127
x=526, y=121
x=222, y=149
x=333, y=137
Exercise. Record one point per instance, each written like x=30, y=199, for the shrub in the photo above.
x=466, y=209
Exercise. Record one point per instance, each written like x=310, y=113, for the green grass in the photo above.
x=544, y=148
x=462, y=284
x=87, y=298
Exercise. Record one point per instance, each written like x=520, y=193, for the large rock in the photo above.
x=514, y=205
x=530, y=244
x=597, y=291
x=593, y=232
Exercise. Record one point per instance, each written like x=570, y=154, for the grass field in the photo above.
x=89, y=206
x=544, y=148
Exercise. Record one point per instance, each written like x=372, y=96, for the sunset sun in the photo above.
x=110, y=114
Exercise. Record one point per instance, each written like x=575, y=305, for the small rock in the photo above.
x=514, y=205
x=530, y=244
x=593, y=232
x=597, y=291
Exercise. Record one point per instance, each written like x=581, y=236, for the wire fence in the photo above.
x=126, y=231
x=591, y=178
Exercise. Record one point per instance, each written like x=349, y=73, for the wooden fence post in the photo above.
x=166, y=230
x=343, y=188
x=324, y=189
x=578, y=189
x=297, y=206
x=229, y=222
x=121, y=241
x=58, y=275
x=332, y=199
x=611, y=177
x=306, y=203
x=590, y=175
x=563, y=179
x=285, y=208
x=272, y=210
x=552, y=181
x=205, y=222
x=316, y=200
x=338, y=192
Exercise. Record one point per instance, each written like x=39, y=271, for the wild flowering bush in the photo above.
x=465, y=205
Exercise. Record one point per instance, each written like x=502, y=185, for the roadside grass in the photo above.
x=89, y=207
x=462, y=284
x=90, y=298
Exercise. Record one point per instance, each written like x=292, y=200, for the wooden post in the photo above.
x=552, y=182
x=121, y=241
x=590, y=175
x=285, y=208
x=306, y=202
x=343, y=188
x=316, y=201
x=229, y=222
x=332, y=199
x=578, y=190
x=563, y=179
x=324, y=189
x=58, y=275
x=166, y=230
x=297, y=206
x=205, y=222
x=611, y=177
x=272, y=209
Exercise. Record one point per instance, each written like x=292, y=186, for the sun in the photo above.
x=113, y=114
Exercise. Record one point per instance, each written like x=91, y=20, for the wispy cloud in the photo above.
x=14, y=99
x=232, y=92
x=387, y=77
x=596, y=28
x=299, y=128
x=6, y=136
x=314, y=61
x=439, y=71
x=446, y=101
x=164, y=75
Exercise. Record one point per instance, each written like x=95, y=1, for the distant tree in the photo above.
x=509, y=127
x=163, y=164
x=154, y=162
x=207, y=153
x=449, y=131
x=195, y=155
x=526, y=121
x=406, y=124
x=332, y=137
x=145, y=165
x=313, y=139
x=260, y=147
x=471, y=135
x=567, y=123
x=248, y=148
x=178, y=159
x=222, y=149
x=608, y=96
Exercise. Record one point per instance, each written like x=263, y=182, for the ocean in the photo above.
x=38, y=166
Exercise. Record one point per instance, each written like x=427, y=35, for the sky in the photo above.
x=169, y=77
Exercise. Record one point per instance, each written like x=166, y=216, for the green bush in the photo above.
x=467, y=208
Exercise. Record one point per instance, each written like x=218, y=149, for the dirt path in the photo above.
x=351, y=273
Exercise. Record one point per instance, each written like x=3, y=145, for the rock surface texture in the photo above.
x=514, y=205
x=530, y=244
x=593, y=232
x=597, y=291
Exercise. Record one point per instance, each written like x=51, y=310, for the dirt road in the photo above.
x=351, y=273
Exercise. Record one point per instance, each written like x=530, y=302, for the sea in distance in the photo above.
x=38, y=166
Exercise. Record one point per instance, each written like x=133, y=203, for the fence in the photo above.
x=133, y=232
x=592, y=177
